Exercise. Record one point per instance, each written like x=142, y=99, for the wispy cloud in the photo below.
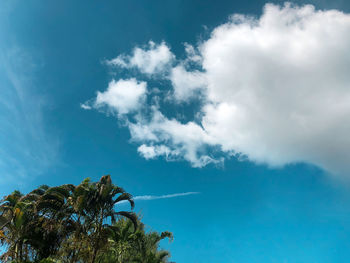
x=27, y=147
x=155, y=197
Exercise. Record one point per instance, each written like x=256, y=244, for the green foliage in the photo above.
x=70, y=223
x=127, y=244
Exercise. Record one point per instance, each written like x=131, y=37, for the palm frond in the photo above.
x=130, y=215
x=125, y=197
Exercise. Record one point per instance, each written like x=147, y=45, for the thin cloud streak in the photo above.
x=155, y=197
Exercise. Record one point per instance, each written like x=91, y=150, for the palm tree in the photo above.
x=94, y=205
x=71, y=223
x=55, y=223
x=148, y=244
x=16, y=213
x=128, y=245
x=30, y=227
x=121, y=242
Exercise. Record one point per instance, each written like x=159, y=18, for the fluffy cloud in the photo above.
x=279, y=86
x=122, y=96
x=275, y=89
x=153, y=60
x=186, y=83
x=150, y=151
x=172, y=139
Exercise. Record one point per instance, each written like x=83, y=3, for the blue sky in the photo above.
x=258, y=140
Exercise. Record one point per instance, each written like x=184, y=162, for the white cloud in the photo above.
x=153, y=60
x=122, y=96
x=276, y=90
x=192, y=54
x=152, y=151
x=85, y=106
x=279, y=86
x=186, y=83
x=27, y=147
x=155, y=197
x=173, y=139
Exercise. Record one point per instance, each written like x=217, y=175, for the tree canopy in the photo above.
x=80, y=223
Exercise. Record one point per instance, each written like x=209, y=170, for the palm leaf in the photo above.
x=125, y=197
x=130, y=215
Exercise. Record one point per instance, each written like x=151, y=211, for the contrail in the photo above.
x=154, y=197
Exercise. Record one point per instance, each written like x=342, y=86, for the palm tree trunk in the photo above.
x=20, y=251
x=94, y=255
x=98, y=232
